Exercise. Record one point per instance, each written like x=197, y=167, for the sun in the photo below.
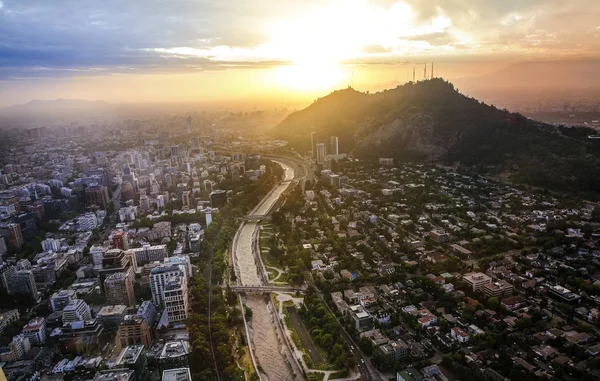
x=309, y=77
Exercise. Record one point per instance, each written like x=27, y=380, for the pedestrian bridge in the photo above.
x=266, y=289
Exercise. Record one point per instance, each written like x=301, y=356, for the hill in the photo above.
x=432, y=121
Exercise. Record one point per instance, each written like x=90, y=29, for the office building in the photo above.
x=145, y=202
x=76, y=310
x=148, y=312
x=218, y=198
x=134, y=330
x=120, y=240
x=7, y=274
x=158, y=279
x=115, y=375
x=134, y=358
x=51, y=244
x=321, y=152
x=81, y=336
x=178, y=374
x=16, y=235
x=111, y=316
x=476, y=280
x=24, y=283
x=127, y=191
x=7, y=318
x=183, y=261
x=35, y=331
x=96, y=194
x=498, y=289
x=118, y=289
x=185, y=199
x=3, y=248
x=147, y=253
x=313, y=144
x=97, y=253
x=208, y=186
x=60, y=299
x=334, y=145
x=208, y=216
x=176, y=299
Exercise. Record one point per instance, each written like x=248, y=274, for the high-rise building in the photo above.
x=7, y=274
x=120, y=240
x=185, y=199
x=145, y=202
x=313, y=144
x=208, y=216
x=16, y=236
x=208, y=186
x=118, y=288
x=127, y=192
x=158, y=279
x=24, y=283
x=178, y=374
x=188, y=125
x=60, y=299
x=35, y=331
x=147, y=311
x=3, y=248
x=218, y=198
x=321, y=152
x=76, y=310
x=147, y=253
x=334, y=145
x=176, y=298
x=134, y=330
x=51, y=244
x=134, y=358
x=96, y=194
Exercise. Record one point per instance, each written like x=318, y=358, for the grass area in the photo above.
x=316, y=376
x=340, y=374
x=298, y=343
x=246, y=362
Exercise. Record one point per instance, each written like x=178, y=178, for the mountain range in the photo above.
x=430, y=121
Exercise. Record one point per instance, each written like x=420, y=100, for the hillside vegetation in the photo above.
x=432, y=121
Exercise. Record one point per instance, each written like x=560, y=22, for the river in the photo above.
x=267, y=347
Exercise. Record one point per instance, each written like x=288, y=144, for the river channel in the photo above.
x=264, y=335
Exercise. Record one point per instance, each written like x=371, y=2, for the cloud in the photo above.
x=199, y=34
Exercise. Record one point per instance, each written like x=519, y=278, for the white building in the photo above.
x=158, y=278
x=147, y=253
x=87, y=222
x=51, y=245
x=76, y=310
x=175, y=298
x=35, y=331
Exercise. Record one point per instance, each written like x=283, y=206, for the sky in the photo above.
x=187, y=50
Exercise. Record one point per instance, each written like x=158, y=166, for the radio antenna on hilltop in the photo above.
x=425, y=72
x=432, y=71
x=413, y=73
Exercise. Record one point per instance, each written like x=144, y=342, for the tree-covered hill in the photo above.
x=432, y=121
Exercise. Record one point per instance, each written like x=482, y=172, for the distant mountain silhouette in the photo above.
x=58, y=104
x=432, y=121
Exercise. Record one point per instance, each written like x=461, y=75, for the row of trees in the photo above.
x=326, y=331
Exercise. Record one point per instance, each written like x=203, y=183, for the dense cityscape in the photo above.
x=125, y=264
x=328, y=190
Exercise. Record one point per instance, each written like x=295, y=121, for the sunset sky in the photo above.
x=187, y=50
